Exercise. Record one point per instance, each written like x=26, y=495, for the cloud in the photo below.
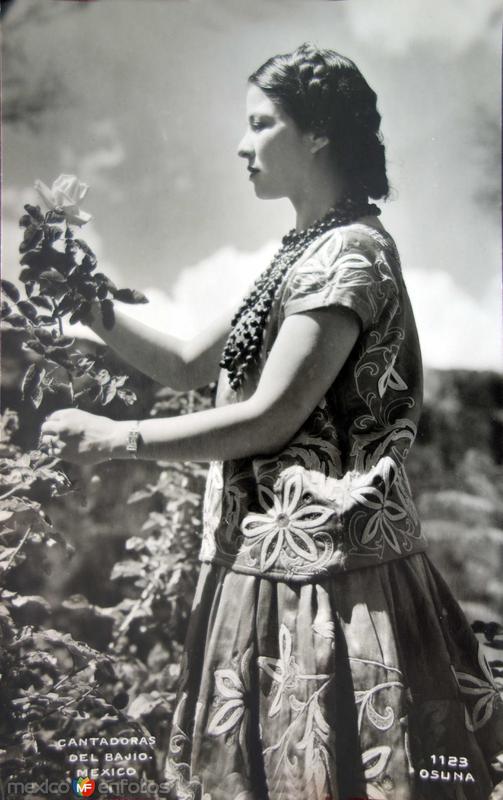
x=395, y=25
x=455, y=329
x=201, y=293
x=93, y=167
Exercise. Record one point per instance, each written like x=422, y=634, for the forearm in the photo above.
x=153, y=352
x=174, y=362
x=229, y=432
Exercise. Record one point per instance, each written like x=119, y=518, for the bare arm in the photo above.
x=309, y=351
x=173, y=362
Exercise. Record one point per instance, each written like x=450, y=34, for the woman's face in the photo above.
x=278, y=153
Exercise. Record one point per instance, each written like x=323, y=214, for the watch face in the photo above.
x=132, y=441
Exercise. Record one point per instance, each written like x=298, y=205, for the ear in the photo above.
x=316, y=142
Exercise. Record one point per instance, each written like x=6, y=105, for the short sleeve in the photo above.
x=346, y=269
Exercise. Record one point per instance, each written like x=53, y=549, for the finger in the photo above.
x=50, y=428
x=48, y=441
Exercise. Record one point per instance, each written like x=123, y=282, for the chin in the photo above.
x=264, y=193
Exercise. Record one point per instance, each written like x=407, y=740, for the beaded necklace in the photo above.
x=242, y=348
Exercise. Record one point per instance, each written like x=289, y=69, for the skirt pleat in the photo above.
x=368, y=684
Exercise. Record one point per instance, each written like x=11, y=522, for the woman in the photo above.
x=325, y=656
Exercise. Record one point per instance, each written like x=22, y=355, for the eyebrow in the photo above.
x=259, y=114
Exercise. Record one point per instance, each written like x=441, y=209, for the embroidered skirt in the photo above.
x=370, y=684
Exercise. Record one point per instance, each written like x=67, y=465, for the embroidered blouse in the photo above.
x=336, y=497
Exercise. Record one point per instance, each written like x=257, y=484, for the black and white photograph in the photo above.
x=251, y=457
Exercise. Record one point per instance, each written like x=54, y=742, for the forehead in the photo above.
x=257, y=102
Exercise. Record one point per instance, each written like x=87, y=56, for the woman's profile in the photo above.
x=325, y=657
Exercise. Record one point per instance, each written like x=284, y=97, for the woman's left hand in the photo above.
x=77, y=436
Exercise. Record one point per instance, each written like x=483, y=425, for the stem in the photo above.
x=59, y=320
x=11, y=491
x=16, y=551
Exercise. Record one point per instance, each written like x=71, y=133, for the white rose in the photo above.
x=66, y=193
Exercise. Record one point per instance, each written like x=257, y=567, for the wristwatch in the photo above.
x=133, y=440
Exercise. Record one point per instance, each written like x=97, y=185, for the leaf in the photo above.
x=88, y=263
x=54, y=216
x=102, y=278
x=104, y=672
x=136, y=543
x=34, y=212
x=52, y=275
x=34, y=259
x=107, y=314
x=85, y=363
x=155, y=520
x=64, y=341
x=141, y=494
x=85, y=247
x=144, y=704
x=28, y=309
x=127, y=396
x=127, y=569
x=103, y=377
x=31, y=380
x=130, y=296
x=17, y=321
x=42, y=302
x=109, y=393
x=87, y=290
x=80, y=651
x=32, y=237
x=60, y=261
x=6, y=310
x=44, y=335
x=33, y=601
x=52, y=234
x=27, y=274
x=67, y=303
x=34, y=345
x=24, y=221
x=79, y=313
x=10, y=290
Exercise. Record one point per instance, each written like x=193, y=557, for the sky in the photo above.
x=152, y=107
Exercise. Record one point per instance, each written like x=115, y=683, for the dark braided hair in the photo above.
x=324, y=92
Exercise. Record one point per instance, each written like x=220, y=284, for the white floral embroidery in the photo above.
x=286, y=521
x=284, y=670
x=233, y=688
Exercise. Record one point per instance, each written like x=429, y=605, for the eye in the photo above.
x=257, y=126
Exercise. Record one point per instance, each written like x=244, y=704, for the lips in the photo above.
x=253, y=171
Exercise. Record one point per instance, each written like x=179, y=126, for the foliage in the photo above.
x=53, y=684
x=59, y=279
x=57, y=685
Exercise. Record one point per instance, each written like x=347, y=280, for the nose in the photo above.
x=245, y=149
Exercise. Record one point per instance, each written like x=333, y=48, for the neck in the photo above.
x=318, y=196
